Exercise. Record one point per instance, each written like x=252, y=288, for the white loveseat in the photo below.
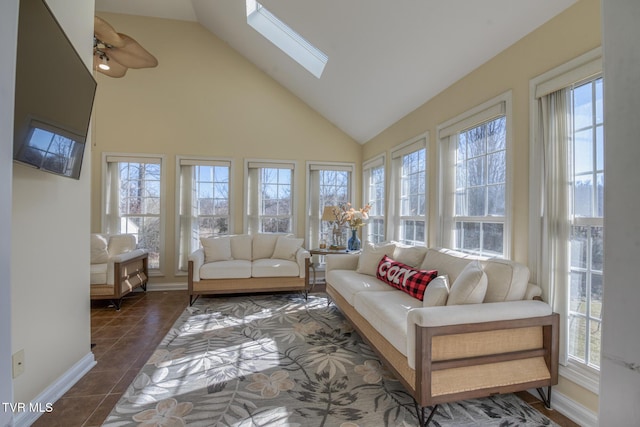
x=480, y=330
x=117, y=267
x=264, y=262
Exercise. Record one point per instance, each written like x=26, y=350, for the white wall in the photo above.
x=620, y=379
x=8, y=37
x=50, y=305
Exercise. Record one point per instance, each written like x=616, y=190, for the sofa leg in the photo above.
x=546, y=399
x=422, y=412
x=117, y=303
x=192, y=299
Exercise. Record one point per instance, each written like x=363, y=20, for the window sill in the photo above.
x=582, y=376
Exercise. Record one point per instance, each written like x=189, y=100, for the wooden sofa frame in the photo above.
x=237, y=286
x=128, y=275
x=429, y=388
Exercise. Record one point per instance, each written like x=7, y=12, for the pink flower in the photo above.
x=372, y=372
x=270, y=386
x=168, y=413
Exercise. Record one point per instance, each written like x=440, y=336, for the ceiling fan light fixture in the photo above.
x=104, y=65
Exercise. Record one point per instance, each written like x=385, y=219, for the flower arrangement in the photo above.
x=354, y=218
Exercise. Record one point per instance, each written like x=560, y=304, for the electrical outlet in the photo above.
x=18, y=364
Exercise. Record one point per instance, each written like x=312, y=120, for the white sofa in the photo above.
x=263, y=262
x=481, y=328
x=117, y=267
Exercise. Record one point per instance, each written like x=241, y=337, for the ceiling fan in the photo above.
x=114, y=53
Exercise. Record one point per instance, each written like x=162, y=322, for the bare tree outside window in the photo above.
x=334, y=191
x=480, y=188
x=139, y=201
x=376, y=199
x=413, y=198
x=211, y=188
x=276, y=211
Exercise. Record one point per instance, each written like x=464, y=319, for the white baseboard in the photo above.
x=571, y=409
x=54, y=391
x=176, y=286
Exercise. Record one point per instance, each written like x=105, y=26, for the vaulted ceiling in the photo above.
x=386, y=57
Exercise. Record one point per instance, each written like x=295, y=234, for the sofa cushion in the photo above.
x=387, y=313
x=404, y=277
x=286, y=248
x=507, y=280
x=98, y=274
x=264, y=244
x=437, y=292
x=470, y=286
x=446, y=261
x=99, y=251
x=236, y=269
x=121, y=243
x=241, y=247
x=371, y=256
x=348, y=283
x=216, y=248
x=410, y=255
x=274, y=268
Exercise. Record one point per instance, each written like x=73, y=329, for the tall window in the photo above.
x=409, y=204
x=270, y=203
x=204, y=203
x=568, y=177
x=587, y=225
x=373, y=180
x=474, y=159
x=329, y=185
x=133, y=189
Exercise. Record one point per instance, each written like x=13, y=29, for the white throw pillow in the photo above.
x=99, y=253
x=241, y=246
x=371, y=256
x=286, y=248
x=264, y=244
x=216, y=248
x=470, y=286
x=410, y=255
x=437, y=292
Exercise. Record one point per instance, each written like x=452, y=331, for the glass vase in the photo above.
x=354, y=242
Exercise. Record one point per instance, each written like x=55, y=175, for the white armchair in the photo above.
x=117, y=267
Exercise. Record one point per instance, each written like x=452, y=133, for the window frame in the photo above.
x=578, y=69
x=268, y=164
x=110, y=157
x=590, y=222
x=448, y=132
x=313, y=222
x=378, y=162
x=395, y=217
x=199, y=161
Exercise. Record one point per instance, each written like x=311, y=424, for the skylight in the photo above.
x=285, y=38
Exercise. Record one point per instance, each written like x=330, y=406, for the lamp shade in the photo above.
x=328, y=213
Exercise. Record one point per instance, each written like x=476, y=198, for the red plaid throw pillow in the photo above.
x=404, y=277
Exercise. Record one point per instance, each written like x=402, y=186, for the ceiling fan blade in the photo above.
x=132, y=54
x=115, y=69
x=105, y=33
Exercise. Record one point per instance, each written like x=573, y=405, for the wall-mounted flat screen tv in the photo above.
x=53, y=96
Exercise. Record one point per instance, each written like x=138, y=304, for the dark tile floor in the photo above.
x=124, y=340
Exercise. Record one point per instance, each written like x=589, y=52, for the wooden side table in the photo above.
x=310, y=265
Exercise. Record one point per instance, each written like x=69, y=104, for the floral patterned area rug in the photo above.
x=281, y=360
